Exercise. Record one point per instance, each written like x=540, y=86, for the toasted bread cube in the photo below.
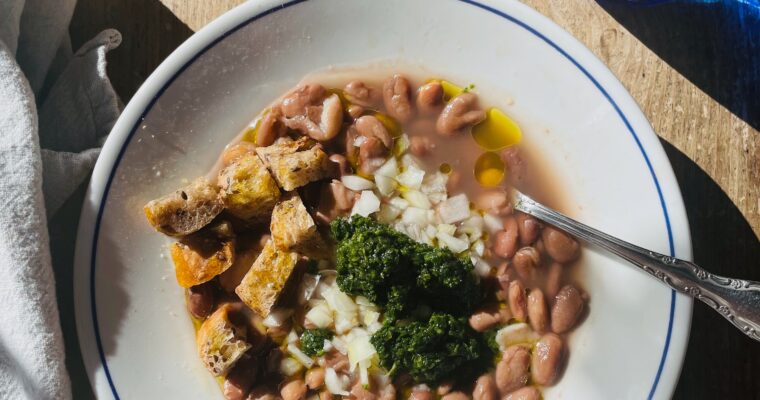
x=293, y=229
x=294, y=164
x=220, y=342
x=247, y=189
x=200, y=257
x=186, y=210
x=266, y=279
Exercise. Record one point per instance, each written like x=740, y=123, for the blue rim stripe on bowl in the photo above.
x=234, y=29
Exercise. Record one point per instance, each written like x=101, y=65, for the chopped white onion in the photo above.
x=277, y=317
x=360, y=349
x=415, y=216
x=327, y=346
x=320, y=316
x=402, y=144
x=514, y=334
x=492, y=223
x=408, y=160
x=334, y=384
x=340, y=345
x=290, y=367
x=299, y=355
x=367, y=204
x=309, y=284
x=356, y=183
x=399, y=203
x=479, y=247
x=389, y=169
x=292, y=336
x=416, y=199
x=452, y=243
x=387, y=213
x=430, y=230
x=385, y=184
x=411, y=178
x=455, y=209
x=482, y=268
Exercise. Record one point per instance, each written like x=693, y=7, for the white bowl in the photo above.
x=136, y=338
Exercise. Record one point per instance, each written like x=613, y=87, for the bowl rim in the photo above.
x=230, y=22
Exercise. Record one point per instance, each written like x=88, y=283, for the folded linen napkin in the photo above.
x=55, y=110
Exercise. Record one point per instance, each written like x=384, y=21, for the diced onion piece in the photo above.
x=277, y=317
x=339, y=301
x=434, y=183
x=327, y=346
x=370, y=317
x=408, y=160
x=389, y=169
x=385, y=184
x=356, y=183
x=399, y=203
x=412, y=177
x=416, y=199
x=492, y=223
x=367, y=204
x=309, y=284
x=415, y=216
x=292, y=336
x=362, y=301
x=430, y=230
x=299, y=355
x=455, y=209
x=290, y=367
x=360, y=349
x=363, y=376
x=345, y=322
x=479, y=247
x=514, y=334
x=334, y=384
x=340, y=345
x=387, y=213
x=452, y=243
x=447, y=228
x=320, y=316
x=401, y=144
x=482, y=268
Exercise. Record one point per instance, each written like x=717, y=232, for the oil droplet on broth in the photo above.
x=445, y=168
x=390, y=123
x=489, y=169
x=497, y=131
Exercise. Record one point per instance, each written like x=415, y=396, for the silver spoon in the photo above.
x=736, y=300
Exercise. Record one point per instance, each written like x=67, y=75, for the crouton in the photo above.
x=247, y=189
x=293, y=229
x=220, y=342
x=186, y=210
x=266, y=279
x=203, y=255
x=296, y=163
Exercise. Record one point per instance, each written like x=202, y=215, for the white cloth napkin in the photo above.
x=55, y=110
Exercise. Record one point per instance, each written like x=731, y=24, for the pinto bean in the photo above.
x=271, y=128
x=430, y=98
x=485, y=388
x=295, y=102
x=512, y=371
x=355, y=111
x=455, y=396
x=516, y=166
x=358, y=392
x=494, y=202
x=444, y=387
x=315, y=377
x=293, y=390
x=334, y=200
x=505, y=241
x=372, y=155
x=526, y=393
x=568, y=306
x=529, y=228
x=553, y=279
x=201, y=299
x=388, y=392
x=337, y=361
x=525, y=261
x=263, y=393
x=358, y=92
x=421, y=146
x=485, y=318
x=240, y=379
x=325, y=395
x=370, y=126
x=518, y=304
x=538, y=315
x=559, y=245
x=547, y=359
x=397, y=95
x=340, y=165
x=461, y=112
x=420, y=393
x=235, y=151
x=320, y=122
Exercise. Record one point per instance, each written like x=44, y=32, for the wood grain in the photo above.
x=714, y=154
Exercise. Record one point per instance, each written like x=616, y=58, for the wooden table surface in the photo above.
x=713, y=152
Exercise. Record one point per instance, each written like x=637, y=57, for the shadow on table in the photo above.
x=721, y=363
x=714, y=44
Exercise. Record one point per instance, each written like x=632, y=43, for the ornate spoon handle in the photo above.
x=736, y=300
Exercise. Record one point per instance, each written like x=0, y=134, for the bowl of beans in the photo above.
x=302, y=203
